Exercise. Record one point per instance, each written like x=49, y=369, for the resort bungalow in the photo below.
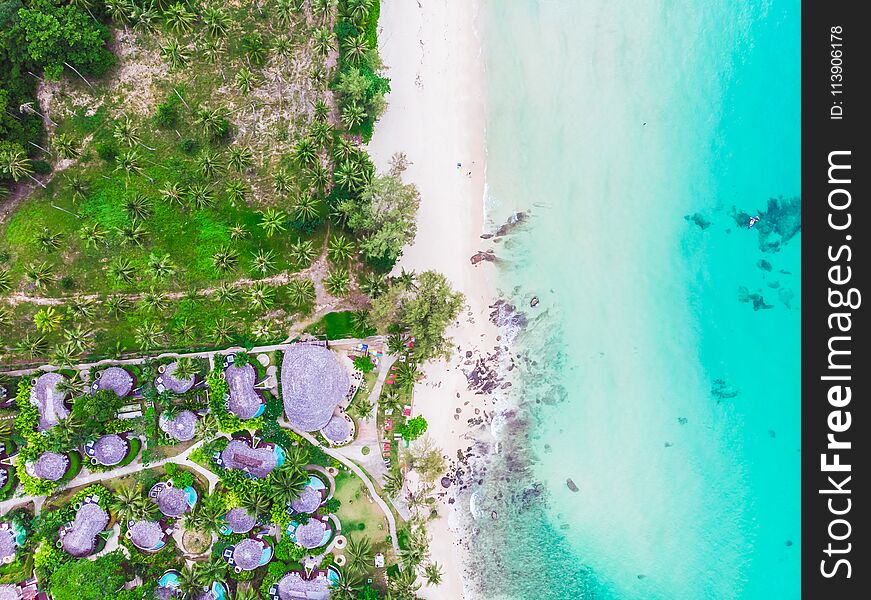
x=239, y=520
x=108, y=450
x=297, y=585
x=172, y=501
x=243, y=401
x=167, y=381
x=25, y=590
x=114, y=379
x=48, y=400
x=50, y=465
x=8, y=542
x=256, y=462
x=248, y=554
x=339, y=429
x=313, y=534
x=182, y=428
x=79, y=538
x=313, y=384
x=311, y=497
x=148, y=536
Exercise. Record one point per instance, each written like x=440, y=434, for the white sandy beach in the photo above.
x=435, y=115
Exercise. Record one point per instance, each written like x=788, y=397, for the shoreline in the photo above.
x=436, y=115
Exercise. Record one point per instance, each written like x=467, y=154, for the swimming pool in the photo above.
x=191, y=494
x=169, y=580
x=280, y=455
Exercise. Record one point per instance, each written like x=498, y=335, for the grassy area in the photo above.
x=359, y=515
x=338, y=326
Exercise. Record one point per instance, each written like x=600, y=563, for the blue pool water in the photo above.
x=280, y=455
x=660, y=371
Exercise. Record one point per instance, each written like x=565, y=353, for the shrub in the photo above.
x=364, y=364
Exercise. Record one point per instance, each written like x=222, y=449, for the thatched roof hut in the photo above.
x=308, y=501
x=49, y=465
x=245, y=402
x=294, y=586
x=81, y=539
x=183, y=427
x=337, y=429
x=311, y=535
x=313, y=383
x=172, y=501
x=117, y=380
x=48, y=400
x=9, y=591
x=8, y=545
x=146, y=535
x=173, y=384
x=247, y=554
x=110, y=449
x=259, y=462
x=240, y=520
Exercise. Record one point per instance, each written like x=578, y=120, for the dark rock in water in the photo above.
x=494, y=515
x=642, y=576
x=513, y=221
x=774, y=285
x=486, y=236
x=722, y=391
x=758, y=301
x=488, y=256
x=668, y=444
x=446, y=482
x=778, y=223
x=534, y=302
x=772, y=434
x=571, y=485
x=699, y=220
x=789, y=542
x=764, y=265
x=682, y=420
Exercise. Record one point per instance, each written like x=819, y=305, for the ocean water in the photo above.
x=660, y=369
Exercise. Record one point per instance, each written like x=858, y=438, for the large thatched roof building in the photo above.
x=240, y=520
x=81, y=538
x=295, y=586
x=183, y=427
x=244, y=400
x=248, y=554
x=49, y=465
x=172, y=383
x=313, y=383
x=48, y=400
x=109, y=450
x=116, y=380
x=258, y=462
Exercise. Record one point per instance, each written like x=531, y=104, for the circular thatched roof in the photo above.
x=247, y=554
x=173, y=501
x=48, y=400
x=258, y=461
x=117, y=380
x=82, y=538
x=50, y=466
x=183, y=427
x=146, y=535
x=311, y=535
x=337, y=429
x=245, y=402
x=110, y=449
x=293, y=587
x=165, y=593
x=312, y=385
x=308, y=502
x=179, y=386
x=9, y=592
x=7, y=544
x=240, y=520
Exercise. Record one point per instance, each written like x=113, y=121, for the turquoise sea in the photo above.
x=660, y=370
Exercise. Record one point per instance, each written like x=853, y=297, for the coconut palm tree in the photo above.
x=404, y=583
x=282, y=45
x=5, y=317
x=126, y=131
x=285, y=10
x=245, y=592
x=353, y=115
x=222, y=330
x=318, y=177
x=66, y=146
x=306, y=207
x=122, y=269
x=48, y=240
x=406, y=280
x=245, y=80
x=238, y=232
x=117, y=305
x=356, y=48
x=321, y=132
x=148, y=335
x=82, y=307
x=153, y=301
x=361, y=320
x=185, y=367
x=301, y=291
x=132, y=234
x=373, y=285
x=347, y=587
x=321, y=110
x=324, y=40
x=145, y=18
x=305, y=152
x=226, y=293
x=5, y=281
x=178, y=18
x=213, y=570
x=40, y=275
x=240, y=158
x=185, y=330
x=393, y=483
x=78, y=185
x=433, y=574
x=216, y=20
x=79, y=336
x=207, y=427
x=301, y=251
x=407, y=375
x=272, y=221
x=416, y=550
x=213, y=51
x=286, y=485
x=225, y=259
x=160, y=266
x=212, y=120
x=128, y=162
x=261, y=296
x=264, y=261
x=173, y=193
x=359, y=552
x=31, y=345
x=281, y=182
x=295, y=459
x=340, y=249
x=201, y=196
x=357, y=10
x=189, y=582
x=139, y=206
x=256, y=502
x=209, y=164
x=338, y=281
x=236, y=191
x=255, y=48
x=93, y=235
x=64, y=355
x=350, y=175
x=15, y=164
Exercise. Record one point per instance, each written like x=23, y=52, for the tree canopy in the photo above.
x=88, y=579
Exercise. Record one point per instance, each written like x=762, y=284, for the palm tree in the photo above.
x=353, y=115
x=5, y=281
x=139, y=206
x=213, y=570
x=281, y=182
x=323, y=40
x=286, y=485
x=221, y=331
x=129, y=163
x=256, y=502
x=306, y=207
x=201, y=196
x=40, y=275
x=236, y=191
x=93, y=235
x=132, y=234
x=285, y=11
x=261, y=296
x=305, y=153
x=207, y=515
x=241, y=158
x=255, y=48
x=83, y=307
x=347, y=587
x=356, y=48
x=177, y=55
x=301, y=252
x=407, y=375
x=160, y=267
x=318, y=176
x=79, y=336
x=245, y=80
x=153, y=301
x=173, y=193
x=210, y=165
x=225, y=259
x=185, y=367
x=350, y=175
x=238, y=232
x=340, y=249
x=321, y=110
x=321, y=132
x=416, y=550
x=65, y=354
x=211, y=120
x=48, y=240
x=358, y=551
x=361, y=320
x=15, y=164
x=433, y=574
x=300, y=291
x=185, y=330
x=126, y=131
x=122, y=269
x=406, y=280
x=225, y=293
x=373, y=285
x=178, y=18
x=393, y=483
x=212, y=51
x=357, y=10
x=264, y=261
x=78, y=185
x=148, y=335
x=31, y=345
x=295, y=459
x=272, y=221
x=245, y=593
x=66, y=146
x=404, y=583
x=189, y=582
x=338, y=282
x=282, y=45
x=117, y=305
x=216, y=20
x=207, y=426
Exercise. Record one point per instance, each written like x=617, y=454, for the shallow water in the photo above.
x=660, y=370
